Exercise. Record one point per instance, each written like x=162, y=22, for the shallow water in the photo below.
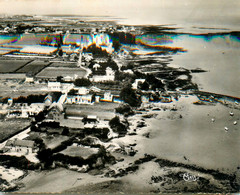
x=195, y=136
x=220, y=56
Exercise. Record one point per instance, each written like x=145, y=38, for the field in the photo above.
x=103, y=110
x=7, y=66
x=84, y=152
x=33, y=67
x=53, y=72
x=9, y=127
x=61, y=64
x=51, y=141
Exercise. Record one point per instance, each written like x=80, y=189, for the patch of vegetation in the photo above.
x=82, y=82
x=17, y=162
x=117, y=126
x=96, y=51
x=124, y=109
x=129, y=96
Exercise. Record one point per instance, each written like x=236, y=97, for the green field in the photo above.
x=7, y=66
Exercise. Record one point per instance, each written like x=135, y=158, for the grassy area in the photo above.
x=83, y=152
x=10, y=127
x=61, y=64
x=54, y=140
x=103, y=110
x=53, y=72
x=11, y=65
x=33, y=67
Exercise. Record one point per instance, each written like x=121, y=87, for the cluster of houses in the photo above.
x=20, y=110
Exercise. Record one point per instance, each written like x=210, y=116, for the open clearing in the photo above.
x=83, y=152
x=33, y=67
x=10, y=127
x=62, y=64
x=7, y=66
x=53, y=72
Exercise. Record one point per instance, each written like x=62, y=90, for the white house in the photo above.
x=107, y=97
x=82, y=90
x=54, y=86
x=29, y=79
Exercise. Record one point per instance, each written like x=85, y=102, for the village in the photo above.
x=68, y=99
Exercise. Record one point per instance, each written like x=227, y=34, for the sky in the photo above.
x=210, y=13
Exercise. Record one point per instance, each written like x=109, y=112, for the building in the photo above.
x=79, y=99
x=29, y=79
x=48, y=100
x=144, y=99
x=82, y=90
x=54, y=86
x=107, y=97
x=20, y=146
x=110, y=76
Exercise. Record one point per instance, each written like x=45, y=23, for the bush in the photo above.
x=45, y=156
x=117, y=126
x=18, y=162
x=82, y=82
x=97, y=51
x=124, y=109
x=129, y=96
x=65, y=131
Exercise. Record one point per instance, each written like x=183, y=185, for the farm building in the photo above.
x=20, y=146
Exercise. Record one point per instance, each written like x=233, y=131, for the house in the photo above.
x=82, y=90
x=91, y=119
x=56, y=112
x=65, y=87
x=79, y=99
x=10, y=102
x=107, y=97
x=137, y=82
x=68, y=78
x=95, y=89
x=48, y=100
x=20, y=146
x=54, y=86
x=29, y=79
x=110, y=76
x=35, y=108
x=144, y=99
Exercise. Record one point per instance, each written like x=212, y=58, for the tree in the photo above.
x=82, y=82
x=124, y=109
x=45, y=156
x=59, y=78
x=65, y=131
x=129, y=96
x=144, y=86
x=117, y=126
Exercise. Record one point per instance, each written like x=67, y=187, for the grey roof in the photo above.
x=21, y=143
